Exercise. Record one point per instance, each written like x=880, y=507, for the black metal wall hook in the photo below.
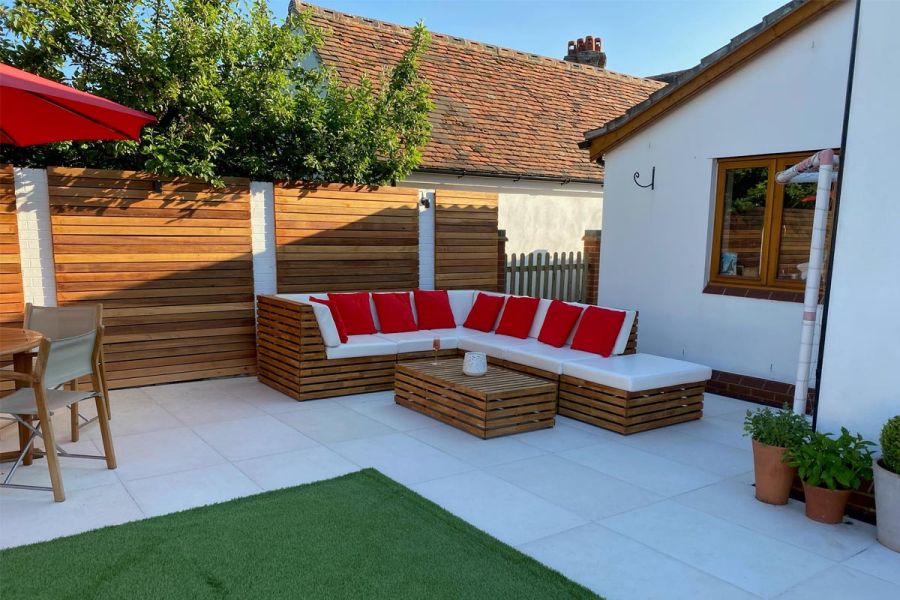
x=651, y=185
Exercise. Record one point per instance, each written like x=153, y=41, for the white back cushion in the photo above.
x=461, y=303
x=323, y=317
x=539, y=316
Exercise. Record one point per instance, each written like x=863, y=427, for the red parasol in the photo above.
x=34, y=110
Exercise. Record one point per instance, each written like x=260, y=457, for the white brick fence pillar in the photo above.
x=262, y=231
x=35, y=236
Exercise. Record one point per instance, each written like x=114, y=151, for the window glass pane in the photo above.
x=743, y=219
x=798, y=207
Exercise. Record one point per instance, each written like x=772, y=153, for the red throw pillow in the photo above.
x=484, y=312
x=518, y=315
x=598, y=330
x=355, y=311
x=394, y=312
x=433, y=308
x=558, y=323
x=338, y=321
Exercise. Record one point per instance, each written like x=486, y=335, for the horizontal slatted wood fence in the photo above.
x=11, y=306
x=466, y=240
x=344, y=238
x=170, y=260
x=558, y=276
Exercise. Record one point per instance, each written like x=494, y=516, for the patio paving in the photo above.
x=662, y=514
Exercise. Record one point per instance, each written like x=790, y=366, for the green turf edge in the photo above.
x=401, y=492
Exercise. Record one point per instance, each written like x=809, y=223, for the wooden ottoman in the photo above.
x=632, y=393
x=497, y=403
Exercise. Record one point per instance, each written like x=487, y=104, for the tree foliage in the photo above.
x=234, y=92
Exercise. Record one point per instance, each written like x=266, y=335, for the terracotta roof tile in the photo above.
x=497, y=111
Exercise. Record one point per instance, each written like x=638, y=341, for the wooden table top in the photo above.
x=498, y=382
x=15, y=339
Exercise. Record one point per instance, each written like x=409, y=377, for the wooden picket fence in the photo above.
x=557, y=276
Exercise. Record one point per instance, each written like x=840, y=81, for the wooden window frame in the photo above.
x=771, y=233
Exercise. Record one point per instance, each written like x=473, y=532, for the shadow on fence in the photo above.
x=559, y=276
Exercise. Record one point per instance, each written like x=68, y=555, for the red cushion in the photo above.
x=338, y=321
x=598, y=330
x=484, y=312
x=518, y=315
x=394, y=312
x=355, y=311
x=433, y=309
x=558, y=323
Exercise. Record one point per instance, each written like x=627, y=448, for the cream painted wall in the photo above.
x=862, y=340
x=536, y=215
x=656, y=243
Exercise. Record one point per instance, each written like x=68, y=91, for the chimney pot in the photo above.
x=586, y=51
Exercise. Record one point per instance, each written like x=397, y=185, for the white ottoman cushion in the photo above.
x=636, y=372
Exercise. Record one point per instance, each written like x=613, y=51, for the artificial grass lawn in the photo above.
x=357, y=536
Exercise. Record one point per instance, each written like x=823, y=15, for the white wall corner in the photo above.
x=426, y=240
x=35, y=236
x=262, y=235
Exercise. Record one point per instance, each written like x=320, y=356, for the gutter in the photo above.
x=826, y=301
x=509, y=175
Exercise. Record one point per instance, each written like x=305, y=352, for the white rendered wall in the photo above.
x=862, y=341
x=655, y=246
x=536, y=215
x=35, y=238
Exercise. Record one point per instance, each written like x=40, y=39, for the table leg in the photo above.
x=22, y=364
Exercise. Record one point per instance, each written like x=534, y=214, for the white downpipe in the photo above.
x=823, y=162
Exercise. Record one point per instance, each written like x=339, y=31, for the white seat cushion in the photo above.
x=363, y=345
x=420, y=341
x=543, y=356
x=491, y=344
x=636, y=372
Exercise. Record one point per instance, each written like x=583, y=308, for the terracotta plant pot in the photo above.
x=824, y=505
x=773, y=477
x=887, y=506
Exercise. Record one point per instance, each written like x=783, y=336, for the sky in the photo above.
x=640, y=37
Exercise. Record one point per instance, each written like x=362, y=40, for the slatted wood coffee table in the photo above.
x=500, y=402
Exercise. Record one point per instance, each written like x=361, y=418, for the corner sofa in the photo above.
x=300, y=354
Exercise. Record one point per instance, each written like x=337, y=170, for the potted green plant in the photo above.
x=830, y=469
x=772, y=432
x=887, y=485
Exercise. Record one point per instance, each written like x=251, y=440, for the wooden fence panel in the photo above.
x=11, y=304
x=465, y=240
x=344, y=238
x=561, y=277
x=170, y=259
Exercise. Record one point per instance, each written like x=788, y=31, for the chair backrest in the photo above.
x=58, y=322
x=71, y=345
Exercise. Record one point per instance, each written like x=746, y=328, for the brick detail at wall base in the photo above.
x=592, y=264
x=755, y=389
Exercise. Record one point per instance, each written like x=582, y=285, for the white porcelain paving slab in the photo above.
x=560, y=438
x=503, y=510
x=295, y=468
x=582, y=490
x=842, y=582
x=724, y=429
x=187, y=489
x=606, y=434
x=27, y=516
x=361, y=399
x=752, y=561
x=261, y=396
x=716, y=406
x=161, y=452
x=333, y=423
x=211, y=410
x=249, y=438
x=474, y=450
x=717, y=458
x=134, y=418
x=620, y=568
x=734, y=500
x=401, y=458
x=879, y=561
x=649, y=471
x=394, y=415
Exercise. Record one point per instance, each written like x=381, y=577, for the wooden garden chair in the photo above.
x=60, y=359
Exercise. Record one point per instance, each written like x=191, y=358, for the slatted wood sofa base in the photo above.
x=629, y=412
